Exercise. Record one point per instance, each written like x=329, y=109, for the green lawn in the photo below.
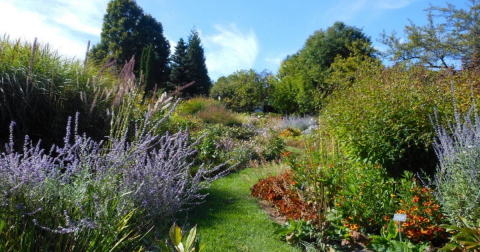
x=231, y=220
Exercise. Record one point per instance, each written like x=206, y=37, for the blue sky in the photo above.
x=236, y=34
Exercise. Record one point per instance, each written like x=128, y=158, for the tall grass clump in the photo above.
x=457, y=179
x=40, y=89
x=383, y=117
x=85, y=195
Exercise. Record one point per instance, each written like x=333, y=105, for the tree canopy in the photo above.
x=126, y=32
x=438, y=44
x=302, y=81
x=242, y=91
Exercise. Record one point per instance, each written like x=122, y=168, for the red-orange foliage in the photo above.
x=280, y=192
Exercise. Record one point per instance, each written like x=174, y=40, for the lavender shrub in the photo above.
x=86, y=189
x=457, y=179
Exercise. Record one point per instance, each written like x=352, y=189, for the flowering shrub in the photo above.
x=85, y=189
x=457, y=178
x=366, y=199
x=424, y=215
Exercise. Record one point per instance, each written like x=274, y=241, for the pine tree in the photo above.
x=126, y=32
x=197, y=70
x=180, y=65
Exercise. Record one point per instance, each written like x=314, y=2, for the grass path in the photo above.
x=231, y=220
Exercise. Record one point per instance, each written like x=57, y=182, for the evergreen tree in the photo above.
x=180, y=65
x=147, y=66
x=126, y=32
x=197, y=69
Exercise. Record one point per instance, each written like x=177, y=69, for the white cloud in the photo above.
x=230, y=50
x=347, y=10
x=66, y=25
x=274, y=60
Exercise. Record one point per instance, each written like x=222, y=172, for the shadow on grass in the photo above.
x=218, y=206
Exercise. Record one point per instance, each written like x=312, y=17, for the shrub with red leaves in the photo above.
x=279, y=191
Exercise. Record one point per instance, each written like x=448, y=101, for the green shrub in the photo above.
x=383, y=118
x=209, y=111
x=195, y=105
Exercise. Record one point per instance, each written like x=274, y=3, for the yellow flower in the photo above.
x=393, y=195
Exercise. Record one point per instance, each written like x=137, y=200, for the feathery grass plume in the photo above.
x=178, y=90
x=40, y=89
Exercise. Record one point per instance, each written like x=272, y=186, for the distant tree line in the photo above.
x=304, y=78
x=331, y=58
x=128, y=32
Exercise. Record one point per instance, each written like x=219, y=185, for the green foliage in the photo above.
x=148, y=68
x=301, y=83
x=230, y=219
x=40, y=89
x=180, y=65
x=192, y=243
x=436, y=44
x=195, y=105
x=118, y=225
x=126, y=32
x=383, y=118
x=466, y=236
x=366, y=198
x=343, y=70
x=386, y=241
x=383, y=241
x=209, y=111
x=291, y=90
x=242, y=91
x=197, y=68
x=294, y=231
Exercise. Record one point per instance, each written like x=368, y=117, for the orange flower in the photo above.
x=354, y=227
x=429, y=211
x=416, y=198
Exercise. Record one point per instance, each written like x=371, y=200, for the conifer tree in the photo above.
x=197, y=70
x=126, y=32
x=180, y=65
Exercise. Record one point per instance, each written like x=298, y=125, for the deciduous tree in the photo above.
x=439, y=44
